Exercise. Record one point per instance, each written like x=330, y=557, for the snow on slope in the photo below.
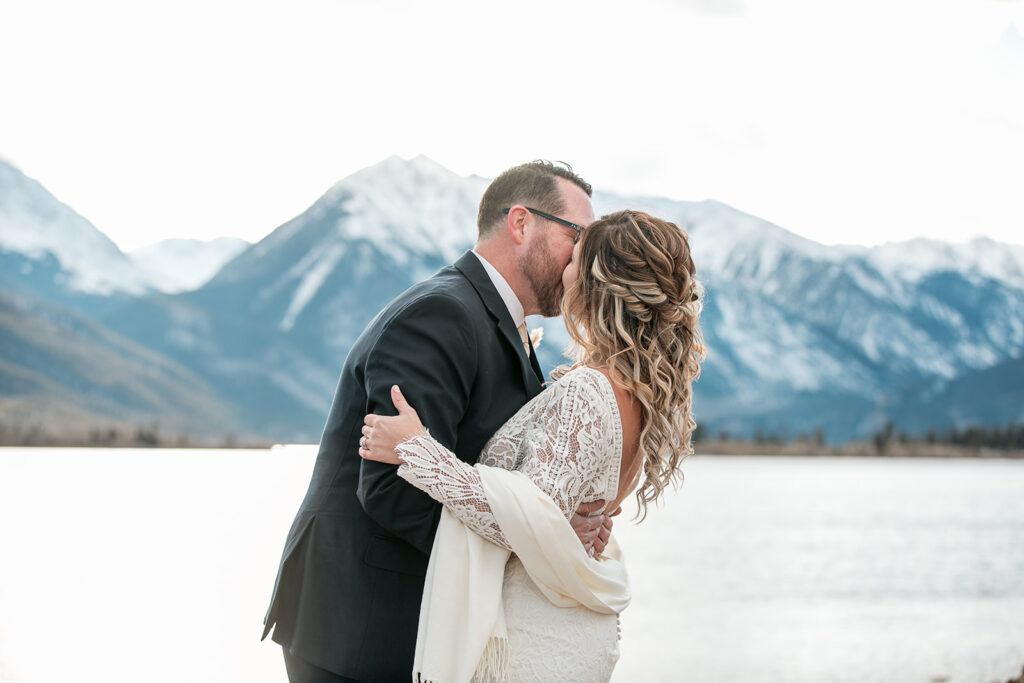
x=785, y=317
x=876, y=301
x=33, y=222
x=412, y=211
x=401, y=206
x=981, y=257
x=311, y=272
x=724, y=239
x=418, y=204
x=179, y=265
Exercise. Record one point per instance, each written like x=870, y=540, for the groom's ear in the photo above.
x=515, y=223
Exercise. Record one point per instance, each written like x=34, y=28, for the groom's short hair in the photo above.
x=533, y=184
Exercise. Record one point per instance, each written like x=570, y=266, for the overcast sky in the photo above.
x=854, y=122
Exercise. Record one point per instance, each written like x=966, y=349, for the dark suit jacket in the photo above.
x=348, y=589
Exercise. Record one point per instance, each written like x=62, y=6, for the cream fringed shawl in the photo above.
x=462, y=623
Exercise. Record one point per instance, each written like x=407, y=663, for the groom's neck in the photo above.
x=503, y=258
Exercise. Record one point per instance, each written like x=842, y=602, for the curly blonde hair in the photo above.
x=634, y=310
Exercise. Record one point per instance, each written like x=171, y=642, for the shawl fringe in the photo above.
x=493, y=665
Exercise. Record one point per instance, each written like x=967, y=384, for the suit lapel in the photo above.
x=469, y=265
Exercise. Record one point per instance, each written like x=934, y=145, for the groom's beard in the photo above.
x=545, y=279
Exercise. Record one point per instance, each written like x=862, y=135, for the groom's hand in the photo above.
x=592, y=526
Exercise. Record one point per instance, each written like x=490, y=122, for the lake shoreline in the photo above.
x=909, y=449
x=730, y=448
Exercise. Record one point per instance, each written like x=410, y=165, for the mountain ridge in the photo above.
x=33, y=223
x=801, y=336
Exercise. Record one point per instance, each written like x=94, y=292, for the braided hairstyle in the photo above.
x=634, y=310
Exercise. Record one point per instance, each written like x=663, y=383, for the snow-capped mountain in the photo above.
x=43, y=240
x=370, y=236
x=180, y=265
x=271, y=328
x=801, y=336
x=978, y=258
x=403, y=208
x=787, y=318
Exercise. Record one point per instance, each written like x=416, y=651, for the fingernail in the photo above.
x=394, y=388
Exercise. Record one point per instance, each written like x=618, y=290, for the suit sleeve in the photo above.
x=429, y=350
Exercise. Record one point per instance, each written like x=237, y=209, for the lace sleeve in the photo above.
x=565, y=437
x=432, y=468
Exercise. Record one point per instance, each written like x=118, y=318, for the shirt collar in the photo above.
x=515, y=309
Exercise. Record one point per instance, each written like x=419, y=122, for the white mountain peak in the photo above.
x=178, y=265
x=34, y=222
x=408, y=205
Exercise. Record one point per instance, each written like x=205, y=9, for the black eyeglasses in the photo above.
x=556, y=219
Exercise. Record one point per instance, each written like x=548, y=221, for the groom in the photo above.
x=347, y=597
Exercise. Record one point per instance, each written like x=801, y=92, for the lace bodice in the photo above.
x=567, y=440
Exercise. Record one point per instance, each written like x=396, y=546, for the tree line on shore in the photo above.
x=119, y=436
x=887, y=440
x=1008, y=438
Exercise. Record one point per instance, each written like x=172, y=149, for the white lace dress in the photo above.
x=568, y=441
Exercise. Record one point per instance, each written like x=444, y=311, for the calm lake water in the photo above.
x=123, y=565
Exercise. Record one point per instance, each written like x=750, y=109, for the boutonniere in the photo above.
x=536, y=334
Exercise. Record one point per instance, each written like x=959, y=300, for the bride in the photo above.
x=510, y=592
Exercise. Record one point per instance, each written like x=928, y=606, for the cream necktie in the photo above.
x=525, y=336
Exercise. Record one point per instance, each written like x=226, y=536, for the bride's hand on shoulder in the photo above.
x=381, y=434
